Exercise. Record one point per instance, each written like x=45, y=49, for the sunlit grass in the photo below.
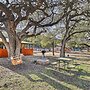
x=39, y=83
x=35, y=77
x=50, y=78
x=78, y=77
x=85, y=67
x=84, y=77
x=13, y=81
x=70, y=86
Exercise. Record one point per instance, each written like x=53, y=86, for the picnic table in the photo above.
x=64, y=60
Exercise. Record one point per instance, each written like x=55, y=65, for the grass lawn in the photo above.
x=30, y=76
x=10, y=80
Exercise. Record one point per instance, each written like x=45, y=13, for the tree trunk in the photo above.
x=14, y=42
x=15, y=46
x=62, y=50
x=18, y=47
x=63, y=44
x=8, y=49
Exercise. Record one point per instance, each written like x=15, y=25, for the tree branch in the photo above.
x=77, y=32
x=23, y=32
x=4, y=39
x=85, y=44
x=6, y=11
x=33, y=34
x=51, y=24
x=2, y=28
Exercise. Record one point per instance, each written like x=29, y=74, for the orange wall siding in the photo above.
x=3, y=53
x=27, y=51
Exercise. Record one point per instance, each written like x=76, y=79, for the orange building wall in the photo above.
x=3, y=53
x=27, y=51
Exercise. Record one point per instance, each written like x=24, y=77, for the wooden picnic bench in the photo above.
x=63, y=60
x=54, y=64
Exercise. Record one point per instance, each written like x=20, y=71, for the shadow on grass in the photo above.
x=46, y=74
x=52, y=81
x=78, y=73
x=25, y=70
x=73, y=80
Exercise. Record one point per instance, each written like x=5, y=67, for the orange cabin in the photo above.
x=26, y=49
x=3, y=53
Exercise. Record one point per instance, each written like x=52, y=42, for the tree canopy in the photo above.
x=27, y=18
